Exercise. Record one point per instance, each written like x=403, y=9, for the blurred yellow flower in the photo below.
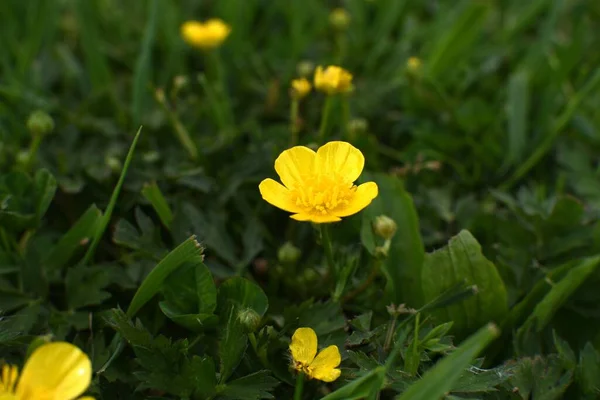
x=54, y=371
x=339, y=19
x=300, y=88
x=413, y=64
x=320, y=366
x=319, y=186
x=333, y=79
x=205, y=35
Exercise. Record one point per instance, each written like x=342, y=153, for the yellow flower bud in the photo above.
x=305, y=68
x=413, y=64
x=339, y=19
x=205, y=35
x=288, y=253
x=333, y=79
x=385, y=227
x=300, y=88
x=40, y=123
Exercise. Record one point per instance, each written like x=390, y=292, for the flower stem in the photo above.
x=294, y=128
x=325, y=118
x=180, y=131
x=299, y=386
x=372, y=275
x=33, y=149
x=345, y=115
x=326, y=241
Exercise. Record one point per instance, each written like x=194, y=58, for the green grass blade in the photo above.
x=152, y=193
x=143, y=66
x=437, y=381
x=73, y=240
x=111, y=205
x=517, y=109
x=187, y=251
x=560, y=124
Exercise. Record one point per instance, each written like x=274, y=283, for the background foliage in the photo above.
x=485, y=156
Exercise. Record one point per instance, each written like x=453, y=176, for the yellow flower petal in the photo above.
x=340, y=159
x=318, y=219
x=278, y=195
x=304, y=345
x=324, y=365
x=56, y=370
x=365, y=193
x=294, y=164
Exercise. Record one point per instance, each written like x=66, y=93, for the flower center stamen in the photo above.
x=321, y=195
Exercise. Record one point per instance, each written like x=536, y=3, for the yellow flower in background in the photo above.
x=205, y=35
x=54, y=371
x=300, y=88
x=322, y=366
x=333, y=79
x=413, y=64
x=319, y=186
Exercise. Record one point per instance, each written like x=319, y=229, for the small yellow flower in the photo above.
x=333, y=79
x=56, y=370
x=319, y=186
x=205, y=35
x=413, y=64
x=320, y=366
x=300, y=88
x=339, y=19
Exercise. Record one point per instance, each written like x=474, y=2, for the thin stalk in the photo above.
x=33, y=149
x=326, y=241
x=325, y=118
x=294, y=128
x=299, y=386
x=180, y=131
x=345, y=115
x=372, y=275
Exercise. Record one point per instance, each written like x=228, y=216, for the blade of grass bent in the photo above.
x=111, y=205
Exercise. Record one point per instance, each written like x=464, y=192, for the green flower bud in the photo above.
x=288, y=253
x=113, y=163
x=305, y=68
x=357, y=127
x=339, y=19
x=22, y=157
x=385, y=227
x=249, y=319
x=40, y=123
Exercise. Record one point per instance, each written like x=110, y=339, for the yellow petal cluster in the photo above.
x=54, y=371
x=319, y=186
x=300, y=88
x=322, y=366
x=205, y=35
x=333, y=79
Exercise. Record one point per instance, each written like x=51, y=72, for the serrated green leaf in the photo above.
x=251, y=387
x=462, y=261
x=45, y=188
x=588, y=369
x=437, y=381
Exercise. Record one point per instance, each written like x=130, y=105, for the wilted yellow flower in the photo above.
x=205, y=35
x=300, y=88
x=54, y=371
x=319, y=186
x=413, y=64
x=333, y=79
x=322, y=366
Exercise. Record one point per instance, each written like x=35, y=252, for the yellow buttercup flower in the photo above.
x=333, y=79
x=300, y=88
x=205, y=35
x=55, y=371
x=319, y=186
x=322, y=366
x=413, y=64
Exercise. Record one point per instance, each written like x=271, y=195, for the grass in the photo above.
x=484, y=154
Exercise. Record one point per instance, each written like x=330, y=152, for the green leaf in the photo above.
x=437, y=381
x=111, y=205
x=244, y=294
x=251, y=387
x=462, y=261
x=588, y=369
x=45, y=188
x=517, y=109
x=360, y=387
x=74, y=239
x=187, y=251
x=404, y=263
x=566, y=354
x=85, y=285
x=554, y=299
x=541, y=378
x=152, y=193
x=466, y=25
